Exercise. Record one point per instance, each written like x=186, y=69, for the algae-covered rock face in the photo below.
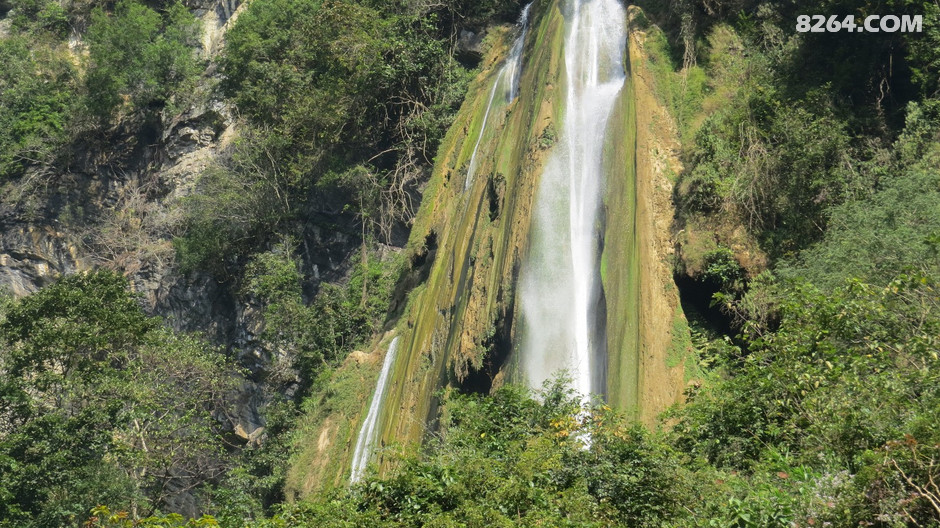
x=475, y=236
x=459, y=325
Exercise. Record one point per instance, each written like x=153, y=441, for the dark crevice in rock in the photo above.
x=411, y=276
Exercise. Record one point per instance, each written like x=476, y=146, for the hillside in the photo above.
x=369, y=263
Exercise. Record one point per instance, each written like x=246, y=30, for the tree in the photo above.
x=139, y=56
x=37, y=99
x=101, y=404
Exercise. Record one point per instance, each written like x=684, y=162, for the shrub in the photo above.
x=140, y=57
x=37, y=101
x=101, y=404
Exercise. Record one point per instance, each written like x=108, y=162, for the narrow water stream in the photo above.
x=508, y=78
x=367, y=434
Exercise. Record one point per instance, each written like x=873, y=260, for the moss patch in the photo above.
x=620, y=270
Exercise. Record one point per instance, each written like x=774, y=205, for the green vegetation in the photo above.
x=509, y=460
x=237, y=205
x=777, y=133
x=345, y=101
x=140, y=60
x=308, y=341
x=102, y=404
x=103, y=517
x=319, y=334
x=893, y=230
x=38, y=95
x=140, y=57
x=38, y=16
x=809, y=210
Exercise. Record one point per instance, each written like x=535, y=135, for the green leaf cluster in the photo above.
x=140, y=57
x=101, y=405
x=38, y=97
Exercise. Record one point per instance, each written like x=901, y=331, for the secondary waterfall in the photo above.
x=508, y=73
x=366, y=440
x=560, y=285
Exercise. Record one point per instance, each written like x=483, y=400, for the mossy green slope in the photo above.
x=464, y=249
x=620, y=259
x=454, y=320
x=456, y=323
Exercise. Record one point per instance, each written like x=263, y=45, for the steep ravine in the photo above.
x=459, y=322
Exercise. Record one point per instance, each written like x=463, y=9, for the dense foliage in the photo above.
x=510, y=460
x=778, y=132
x=344, y=103
x=828, y=162
x=140, y=56
x=102, y=404
x=37, y=99
x=322, y=332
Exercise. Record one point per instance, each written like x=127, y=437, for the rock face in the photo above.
x=646, y=328
x=470, y=47
x=32, y=256
x=458, y=313
x=117, y=206
x=77, y=221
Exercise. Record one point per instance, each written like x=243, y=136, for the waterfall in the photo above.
x=367, y=434
x=509, y=72
x=513, y=65
x=560, y=287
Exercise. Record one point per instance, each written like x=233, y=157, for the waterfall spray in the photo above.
x=366, y=440
x=560, y=283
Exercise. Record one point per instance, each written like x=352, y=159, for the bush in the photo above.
x=140, y=57
x=37, y=16
x=846, y=372
x=510, y=460
x=37, y=100
x=350, y=87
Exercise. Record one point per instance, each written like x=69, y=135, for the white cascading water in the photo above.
x=368, y=432
x=513, y=65
x=508, y=73
x=560, y=283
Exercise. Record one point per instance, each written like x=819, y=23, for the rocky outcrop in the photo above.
x=33, y=256
x=116, y=205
